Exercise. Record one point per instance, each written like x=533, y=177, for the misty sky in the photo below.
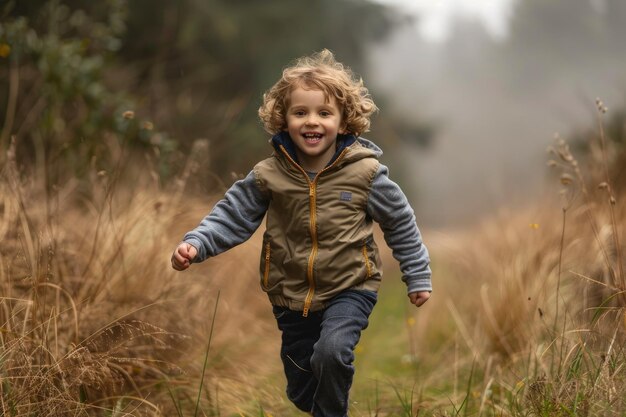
x=496, y=103
x=437, y=16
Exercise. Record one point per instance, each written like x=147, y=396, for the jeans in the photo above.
x=317, y=351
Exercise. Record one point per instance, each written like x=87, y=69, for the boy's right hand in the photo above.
x=183, y=255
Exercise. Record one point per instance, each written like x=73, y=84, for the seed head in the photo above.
x=128, y=115
x=601, y=107
x=567, y=179
x=565, y=154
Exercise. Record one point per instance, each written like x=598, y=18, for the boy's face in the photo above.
x=313, y=124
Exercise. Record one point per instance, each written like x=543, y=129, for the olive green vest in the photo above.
x=318, y=239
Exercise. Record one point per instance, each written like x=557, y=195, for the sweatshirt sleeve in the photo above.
x=388, y=206
x=231, y=221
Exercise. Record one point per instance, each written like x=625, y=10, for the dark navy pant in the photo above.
x=317, y=351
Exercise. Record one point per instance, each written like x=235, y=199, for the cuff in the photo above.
x=419, y=283
x=196, y=243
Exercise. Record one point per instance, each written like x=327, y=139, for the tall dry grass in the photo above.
x=95, y=322
x=538, y=296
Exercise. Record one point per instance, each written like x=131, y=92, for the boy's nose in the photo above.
x=311, y=120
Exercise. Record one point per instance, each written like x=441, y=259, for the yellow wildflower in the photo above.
x=5, y=50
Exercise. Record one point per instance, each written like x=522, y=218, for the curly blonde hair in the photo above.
x=319, y=71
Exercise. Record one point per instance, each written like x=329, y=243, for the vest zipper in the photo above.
x=312, y=224
x=266, y=273
x=367, y=261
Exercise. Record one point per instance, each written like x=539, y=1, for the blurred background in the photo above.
x=497, y=79
x=471, y=93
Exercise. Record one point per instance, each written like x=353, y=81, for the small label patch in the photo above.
x=345, y=196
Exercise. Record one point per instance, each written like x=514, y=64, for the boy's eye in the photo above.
x=325, y=113
x=299, y=113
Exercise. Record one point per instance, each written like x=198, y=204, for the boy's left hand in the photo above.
x=419, y=298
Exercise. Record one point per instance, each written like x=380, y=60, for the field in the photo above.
x=121, y=120
x=527, y=318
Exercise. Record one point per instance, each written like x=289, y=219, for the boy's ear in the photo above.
x=343, y=128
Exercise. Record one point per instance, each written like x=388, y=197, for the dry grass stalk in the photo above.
x=93, y=318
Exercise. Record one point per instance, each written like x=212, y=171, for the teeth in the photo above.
x=312, y=135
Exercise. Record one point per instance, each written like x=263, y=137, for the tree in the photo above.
x=188, y=69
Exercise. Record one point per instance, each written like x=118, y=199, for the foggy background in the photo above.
x=496, y=79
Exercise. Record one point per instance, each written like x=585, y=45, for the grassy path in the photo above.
x=395, y=360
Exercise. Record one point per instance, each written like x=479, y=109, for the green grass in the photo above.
x=396, y=356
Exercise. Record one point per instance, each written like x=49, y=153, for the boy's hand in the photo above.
x=183, y=255
x=419, y=298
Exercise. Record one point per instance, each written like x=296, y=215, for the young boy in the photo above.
x=321, y=189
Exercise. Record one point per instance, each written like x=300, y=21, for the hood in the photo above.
x=371, y=146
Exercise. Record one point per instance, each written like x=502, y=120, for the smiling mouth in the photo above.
x=312, y=137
